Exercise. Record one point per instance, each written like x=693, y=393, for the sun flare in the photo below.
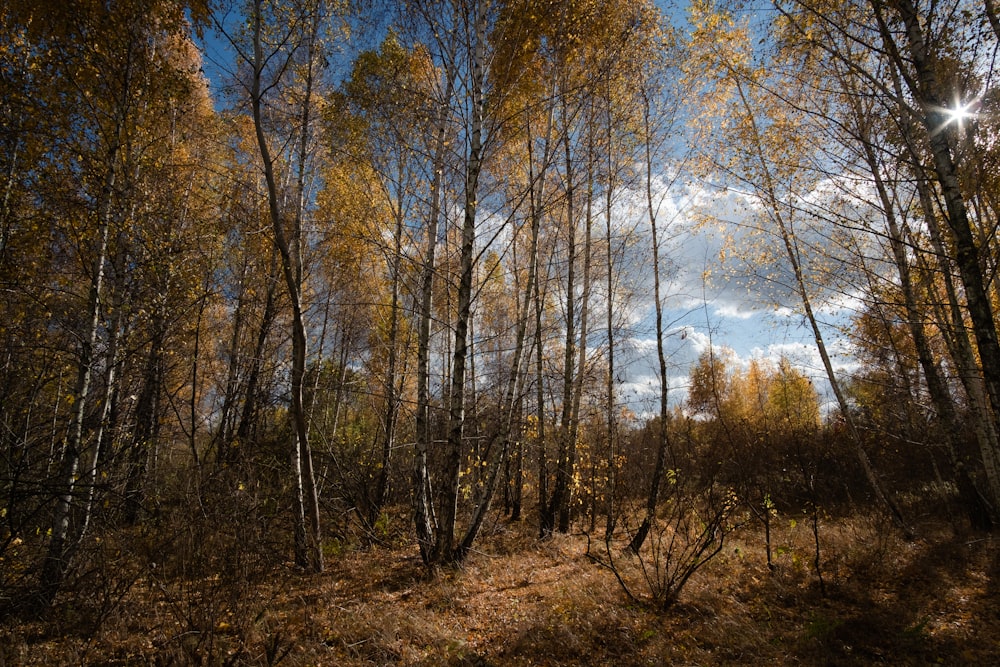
x=960, y=113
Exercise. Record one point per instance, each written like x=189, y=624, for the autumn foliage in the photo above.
x=349, y=334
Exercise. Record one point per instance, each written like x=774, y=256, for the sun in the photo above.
x=960, y=113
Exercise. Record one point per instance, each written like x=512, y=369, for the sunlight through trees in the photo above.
x=276, y=273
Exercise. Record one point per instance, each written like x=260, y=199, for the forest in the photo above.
x=321, y=327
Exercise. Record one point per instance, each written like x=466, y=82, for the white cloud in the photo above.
x=735, y=311
x=725, y=280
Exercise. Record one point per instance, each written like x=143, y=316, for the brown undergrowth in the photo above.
x=520, y=601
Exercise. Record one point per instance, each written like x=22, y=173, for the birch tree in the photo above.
x=284, y=41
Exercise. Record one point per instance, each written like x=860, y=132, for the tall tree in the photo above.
x=295, y=50
x=664, y=453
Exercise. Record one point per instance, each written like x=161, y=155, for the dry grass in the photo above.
x=518, y=601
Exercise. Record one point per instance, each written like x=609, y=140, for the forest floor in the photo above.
x=521, y=601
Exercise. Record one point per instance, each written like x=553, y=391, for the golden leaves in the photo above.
x=763, y=396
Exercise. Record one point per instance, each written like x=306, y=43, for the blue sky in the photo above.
x=708, y=300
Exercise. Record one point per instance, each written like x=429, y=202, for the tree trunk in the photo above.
x=536, y=195
x=392, y=397
x=56, y=559
x=960, y=348
x=108, y=421
x=564, y=472
x=147, y=414
x=581, y=368
x=423, y=509
x=308, y=554
x=609, y=387
x=517, y=493
x=663, y=449
x=246, y=428
x=446, y=550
